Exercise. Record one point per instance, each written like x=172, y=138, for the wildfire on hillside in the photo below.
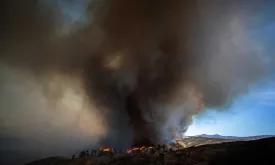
x=107, y=149
x=143, y=148
x=179, y=143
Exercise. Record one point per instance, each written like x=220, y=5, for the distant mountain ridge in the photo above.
x=204, y=139
x=217, y=136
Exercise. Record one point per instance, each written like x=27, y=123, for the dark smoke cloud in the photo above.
x=178, y=58
x=135, y=74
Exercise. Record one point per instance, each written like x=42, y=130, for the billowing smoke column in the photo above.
x=146, y=66
x=154, y=68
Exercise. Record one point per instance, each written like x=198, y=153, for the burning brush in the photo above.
x=132, y=150
x=141, y=149
x=108, y=150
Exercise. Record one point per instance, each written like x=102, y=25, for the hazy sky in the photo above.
x=250, y=115
x=254, y=113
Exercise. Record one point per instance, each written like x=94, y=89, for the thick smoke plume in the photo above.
x=143, y=68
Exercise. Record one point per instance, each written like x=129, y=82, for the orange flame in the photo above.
x=107, y=150
x=138, y=149
x=142, y=148
x=135, y=149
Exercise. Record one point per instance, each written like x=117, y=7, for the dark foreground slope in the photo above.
x=230, y=153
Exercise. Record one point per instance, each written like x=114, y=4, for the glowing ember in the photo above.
x=135, y=149
x=108, y=150
x=143, y=148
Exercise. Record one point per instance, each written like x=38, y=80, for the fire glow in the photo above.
x=129, y=150
x=179, y=143
x=107, y=149
x=143, y=148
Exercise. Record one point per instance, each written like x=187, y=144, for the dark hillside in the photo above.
x=226, y=153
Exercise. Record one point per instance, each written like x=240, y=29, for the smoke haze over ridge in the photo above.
x=136, y=70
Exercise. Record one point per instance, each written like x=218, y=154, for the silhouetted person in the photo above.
x=73, y=157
